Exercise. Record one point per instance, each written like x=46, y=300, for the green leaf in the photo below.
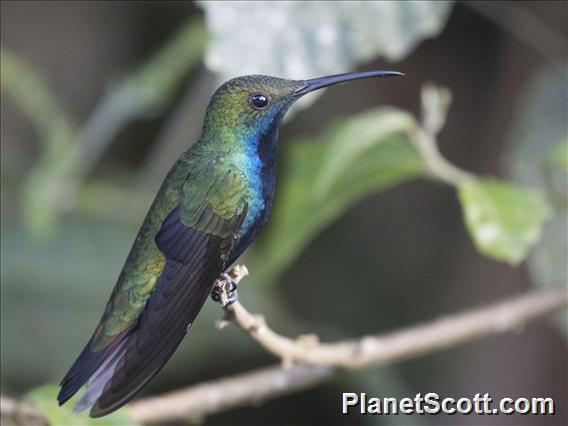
x=348, y=142
x=324, y=177
x=307, y=39
x=504, y=220
x=31, y=93
x=44, y=398
x=559, y=156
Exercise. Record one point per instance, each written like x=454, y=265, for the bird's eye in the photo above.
x=259, y=100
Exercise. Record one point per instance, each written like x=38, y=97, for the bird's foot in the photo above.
x=225, y=290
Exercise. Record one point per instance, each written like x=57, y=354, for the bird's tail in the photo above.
x=99, y=379
x=96, y=367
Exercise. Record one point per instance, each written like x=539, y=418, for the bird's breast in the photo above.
x=261, y=181
x=257, y=161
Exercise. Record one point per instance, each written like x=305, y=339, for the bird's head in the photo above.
x=253, y=105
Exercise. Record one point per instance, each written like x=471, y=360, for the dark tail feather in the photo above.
x=168, y=314
x=107, y=402
x=120, y=371
x=84, y=367
x=99, y=379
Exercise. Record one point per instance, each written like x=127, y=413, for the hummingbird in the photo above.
x=210, y=207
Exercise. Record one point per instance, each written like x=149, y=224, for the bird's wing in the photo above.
x=195, y=239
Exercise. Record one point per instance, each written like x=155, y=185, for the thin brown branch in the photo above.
x=197, y=402
x=310, y=363
x=435, y=102
x=16, y=412
x=379, y=349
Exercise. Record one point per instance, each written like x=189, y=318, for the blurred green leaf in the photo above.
x=559, y=155
x=537, y=156
x=55, y=131
x=504, y=220
x=69, y=152
x=155, y=82
x=349, y=140
x=32, y=95
x=310, y=39
x=45, y=398
x=324, y=177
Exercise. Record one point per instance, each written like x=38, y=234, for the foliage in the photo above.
x=538, y=156
x=322, y=40
x=55, y=131
x=69, y=153
x=323, y=177
x=559, y=156
x=43, y=397
x=357, y=156
x=503, y=220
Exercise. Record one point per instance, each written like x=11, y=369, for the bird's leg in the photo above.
x=225, y=290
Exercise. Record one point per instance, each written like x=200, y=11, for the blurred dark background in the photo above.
x=395, y=258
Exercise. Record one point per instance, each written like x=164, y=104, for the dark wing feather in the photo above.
x=85, y=366
x=162, y=326
x=196, y=238
x=134, y=358
x=176, y=240
x=194, y=261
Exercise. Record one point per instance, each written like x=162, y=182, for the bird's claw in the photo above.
x=225, y=290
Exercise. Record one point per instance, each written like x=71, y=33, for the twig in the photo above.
x=196, y=402
x=310, y=363
x=19, y=412
x=435, y=104
x=378, y=349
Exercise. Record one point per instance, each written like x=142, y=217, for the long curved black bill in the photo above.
x=330, y=80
